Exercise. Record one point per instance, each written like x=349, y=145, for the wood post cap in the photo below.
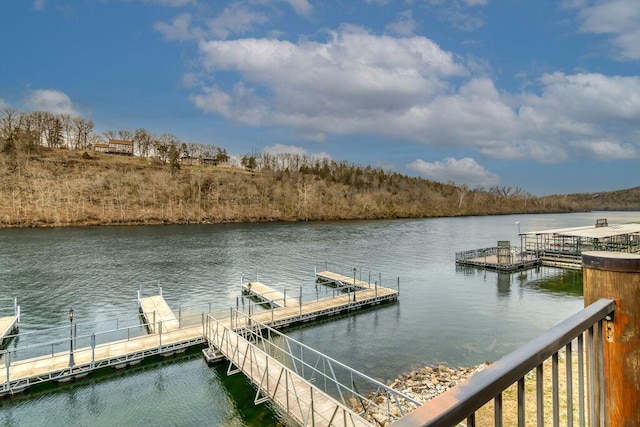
x=620, y=262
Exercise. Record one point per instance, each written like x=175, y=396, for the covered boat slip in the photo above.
x=575, y=240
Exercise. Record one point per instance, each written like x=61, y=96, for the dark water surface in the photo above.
x=445, y=315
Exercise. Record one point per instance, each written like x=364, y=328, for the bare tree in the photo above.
x=83, y=129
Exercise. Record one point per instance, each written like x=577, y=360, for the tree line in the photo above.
x=23, y=132
x=42, y=184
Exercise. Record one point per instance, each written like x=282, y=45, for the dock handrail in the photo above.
x=324, y=374
x=462, y=401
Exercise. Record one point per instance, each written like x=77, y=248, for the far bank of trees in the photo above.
x=24, y=132
x=48, y=178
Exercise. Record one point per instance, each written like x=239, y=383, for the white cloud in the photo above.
x=462, y=171
x=301, y=7
x=3, y=104
x=619, y=19
x=408, y=88
x=607, y=150
x=51, y=100
x=293, y=149
x=39, y=5
x=235, y=19
x=404, y=24
x=178, y=29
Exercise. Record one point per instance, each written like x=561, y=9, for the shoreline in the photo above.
x=422, y=385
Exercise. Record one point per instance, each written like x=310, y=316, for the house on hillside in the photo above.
x=117, y=146
x=101, y=148
x=200, y=160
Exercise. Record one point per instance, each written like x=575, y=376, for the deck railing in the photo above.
x=463, y=401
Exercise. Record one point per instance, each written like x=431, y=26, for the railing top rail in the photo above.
x=457, y=403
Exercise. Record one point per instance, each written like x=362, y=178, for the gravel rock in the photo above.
x=421, y=385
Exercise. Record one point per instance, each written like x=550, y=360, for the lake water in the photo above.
x=445, y=314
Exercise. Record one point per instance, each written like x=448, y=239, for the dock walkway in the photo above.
x=8, y=326
x=331, y=277
x=155, y=310
x=301, y=400
x=169, y=338
x=267, y=294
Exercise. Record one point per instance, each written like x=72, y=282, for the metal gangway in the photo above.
x=308, y=386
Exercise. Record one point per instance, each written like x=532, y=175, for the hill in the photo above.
x=59, y=187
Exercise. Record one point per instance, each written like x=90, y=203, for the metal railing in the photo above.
x=86, y=352
x=276, y=363
x=463, y=401
x=476, y=253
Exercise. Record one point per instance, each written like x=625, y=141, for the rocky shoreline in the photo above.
x=421, y=385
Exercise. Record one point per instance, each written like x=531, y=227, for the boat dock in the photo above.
x=490, y=259
x=328, y=277
x=9, y=324
x=166, y=335
x=308, y=386
x=155, y=311
x=268, y=295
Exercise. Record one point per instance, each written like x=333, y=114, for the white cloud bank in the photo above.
x=460, y=171
x=619, y=19
x=293, y=149
x=408, y=88
x=51, y=100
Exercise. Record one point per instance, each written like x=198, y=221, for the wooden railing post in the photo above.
x=616, y=275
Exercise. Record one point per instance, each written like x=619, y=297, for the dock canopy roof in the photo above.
x=591, y=231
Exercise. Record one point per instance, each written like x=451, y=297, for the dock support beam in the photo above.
x=616, y=275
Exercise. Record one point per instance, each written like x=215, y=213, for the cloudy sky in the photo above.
x=538, y=94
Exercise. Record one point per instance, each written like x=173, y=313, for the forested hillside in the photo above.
x=55, y=187
x=52, y=175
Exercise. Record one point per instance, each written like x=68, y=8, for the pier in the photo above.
x=268, y=295
x=306, y=385
x=558, y=247
x=9, y=324
x=167, y=334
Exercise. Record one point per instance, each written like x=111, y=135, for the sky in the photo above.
x=539, y=95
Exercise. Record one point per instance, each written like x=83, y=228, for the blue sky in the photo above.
x=541, y=95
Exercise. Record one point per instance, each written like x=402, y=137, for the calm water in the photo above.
x=445, y=315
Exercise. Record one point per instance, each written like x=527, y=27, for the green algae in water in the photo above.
x=567, y=282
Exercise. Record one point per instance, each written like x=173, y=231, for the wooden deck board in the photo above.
x=156, y=304
x=7, y=325
x=331, y=276
x=293, y=393
x=172, y=333
x=268, y=294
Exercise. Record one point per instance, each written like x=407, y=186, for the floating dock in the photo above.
x=488, y=259
x=8, y=326
x=156, y=311
x=268, y=295
x=167, y=336
x=340, y=280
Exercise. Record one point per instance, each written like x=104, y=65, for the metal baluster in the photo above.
x=569, y=370
x=521, y=419
x=540, y=395
x=555, y=392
